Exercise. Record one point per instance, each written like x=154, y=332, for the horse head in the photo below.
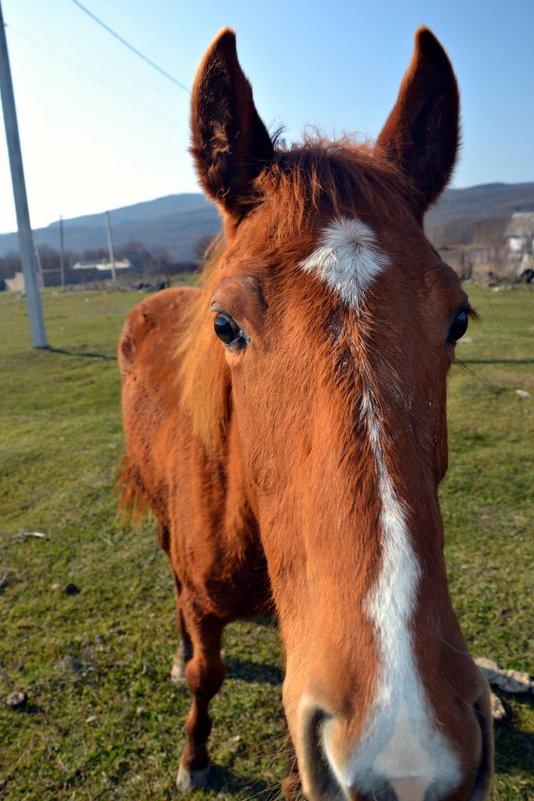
x=337, y=322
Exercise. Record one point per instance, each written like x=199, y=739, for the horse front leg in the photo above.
x=204, y=673
x=185, y=648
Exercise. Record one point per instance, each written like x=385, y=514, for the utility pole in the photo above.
x=61, y=253
x=40, y=276
x=27, y=248
x=110, y=251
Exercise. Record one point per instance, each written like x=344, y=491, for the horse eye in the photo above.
x=229, y=332
x=459, y=326
x=225, y=328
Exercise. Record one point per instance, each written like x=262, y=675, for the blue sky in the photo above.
x=101, y=129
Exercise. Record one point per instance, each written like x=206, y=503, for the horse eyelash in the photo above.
x=472, y=313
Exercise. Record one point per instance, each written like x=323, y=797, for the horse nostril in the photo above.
x=317, y=774
x=485, y=769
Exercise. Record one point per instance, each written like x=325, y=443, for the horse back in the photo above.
x=150, y=332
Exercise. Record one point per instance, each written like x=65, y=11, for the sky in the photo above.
x=100, y=128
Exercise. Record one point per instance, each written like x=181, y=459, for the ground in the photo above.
x=102, y=720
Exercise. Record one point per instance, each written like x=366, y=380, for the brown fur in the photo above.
x=318, y=179
x=257, y=462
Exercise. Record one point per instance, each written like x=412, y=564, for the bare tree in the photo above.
x=202, y=246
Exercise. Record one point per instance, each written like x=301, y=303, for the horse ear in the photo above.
x=230, y=143
x=422, y=132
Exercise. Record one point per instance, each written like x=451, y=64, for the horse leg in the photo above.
x=185, y=648
x=204, y=673
x=187, y=644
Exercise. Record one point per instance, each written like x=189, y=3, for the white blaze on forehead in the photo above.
x=401, y=742
x=347, y=258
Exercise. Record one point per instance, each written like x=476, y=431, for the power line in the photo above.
x=89, y=74
x=131, y=47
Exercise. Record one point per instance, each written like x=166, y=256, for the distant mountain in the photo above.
x=477, y=215
x=174, y=223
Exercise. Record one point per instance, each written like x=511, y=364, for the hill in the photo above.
x=173, y=223
x=477, y=215
x=473, y=216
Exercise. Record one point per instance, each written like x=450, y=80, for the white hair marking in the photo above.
x=347, y=259
x=401, y=742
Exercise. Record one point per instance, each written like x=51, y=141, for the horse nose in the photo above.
x=322, y=782
x=332, y=769
x=401, y=771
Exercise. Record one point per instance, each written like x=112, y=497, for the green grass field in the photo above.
x=103, y=720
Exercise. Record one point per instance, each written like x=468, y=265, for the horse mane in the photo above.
x=317, y=177
x=203, y=375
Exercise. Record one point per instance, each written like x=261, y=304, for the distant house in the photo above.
x=102, y=265
x=16, y=284
x=519, y=233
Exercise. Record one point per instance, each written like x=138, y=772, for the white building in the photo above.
x=102, y=265
x=519, y=233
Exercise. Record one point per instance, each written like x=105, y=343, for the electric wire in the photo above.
x=45, y=49
x=133, y=49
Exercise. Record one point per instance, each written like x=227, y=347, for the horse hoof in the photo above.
x=191, y=779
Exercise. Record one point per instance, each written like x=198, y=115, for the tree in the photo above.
x=202, y=246
x=162, y=258
x=10, y=265
x=133, y=247
x=95, y=253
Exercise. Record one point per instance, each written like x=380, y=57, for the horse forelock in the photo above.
x=330, y=179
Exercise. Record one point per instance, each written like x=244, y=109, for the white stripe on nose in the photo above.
x=400, y=743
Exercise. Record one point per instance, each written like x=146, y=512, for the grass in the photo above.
x=103, y=720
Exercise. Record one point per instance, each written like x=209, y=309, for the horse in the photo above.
x=286, y=424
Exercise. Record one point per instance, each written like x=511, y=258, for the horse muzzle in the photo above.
x=402, y=771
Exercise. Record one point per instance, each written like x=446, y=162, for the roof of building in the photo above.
x=521, y=224
x=102, y=264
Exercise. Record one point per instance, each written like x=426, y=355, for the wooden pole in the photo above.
x=110, y=251
x=61, y=253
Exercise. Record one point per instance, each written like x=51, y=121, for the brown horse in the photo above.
x=286, y=424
